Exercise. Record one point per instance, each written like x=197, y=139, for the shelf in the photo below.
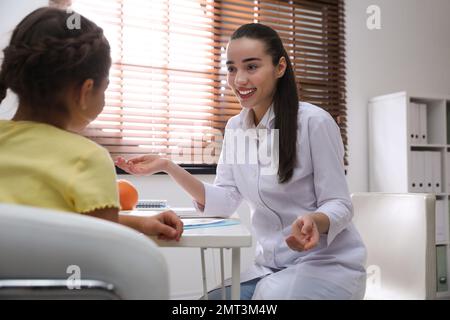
x=430, y=146
x=409, y=147
x=443, y=295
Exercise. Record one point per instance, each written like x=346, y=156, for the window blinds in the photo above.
x=168, y=91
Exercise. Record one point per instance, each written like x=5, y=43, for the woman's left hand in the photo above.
x=304, y=234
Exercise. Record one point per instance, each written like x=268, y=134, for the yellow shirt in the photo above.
x=43, y=166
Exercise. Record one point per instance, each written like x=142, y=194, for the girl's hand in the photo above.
x=304, y=234
x=143, y=165
x=166, y=225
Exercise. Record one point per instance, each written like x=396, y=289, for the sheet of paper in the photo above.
x=200, y=222
x=208, y=223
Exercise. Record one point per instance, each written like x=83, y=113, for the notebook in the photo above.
x=152, y=205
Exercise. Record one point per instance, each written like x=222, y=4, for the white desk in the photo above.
x=234, y=236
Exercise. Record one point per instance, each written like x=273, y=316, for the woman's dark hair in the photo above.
x=46, y=56
x=285, y=101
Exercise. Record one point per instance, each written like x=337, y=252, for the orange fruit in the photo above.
x=128, y=194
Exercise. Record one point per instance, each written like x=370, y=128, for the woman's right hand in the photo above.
x=143, y=165
x=149, y=164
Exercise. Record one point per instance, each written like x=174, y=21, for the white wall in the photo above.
x=12, y=11
x=410, y=52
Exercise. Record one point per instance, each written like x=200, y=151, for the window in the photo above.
x=168, y=92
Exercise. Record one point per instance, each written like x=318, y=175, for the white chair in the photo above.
x=399, y=233
x=47, y=254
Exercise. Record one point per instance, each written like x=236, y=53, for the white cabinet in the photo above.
x=409, y=152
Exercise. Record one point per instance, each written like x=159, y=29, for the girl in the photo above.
x=307, y=246
x=60, y=76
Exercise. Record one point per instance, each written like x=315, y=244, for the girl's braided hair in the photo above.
x=45, y=57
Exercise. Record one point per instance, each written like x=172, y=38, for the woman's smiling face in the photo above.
x=251, y=73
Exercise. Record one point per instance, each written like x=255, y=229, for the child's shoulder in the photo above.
x=66, y=139
x=47, y=137
x=76, y=143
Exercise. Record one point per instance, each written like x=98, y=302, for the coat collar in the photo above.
x=267, y=122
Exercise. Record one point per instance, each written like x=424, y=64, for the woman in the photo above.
x=307, y=246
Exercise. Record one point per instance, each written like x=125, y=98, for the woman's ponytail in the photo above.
x=3, y=88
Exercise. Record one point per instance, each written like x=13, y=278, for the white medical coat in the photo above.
x=318, y=184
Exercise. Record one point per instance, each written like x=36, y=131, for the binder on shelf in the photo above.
x=441, y=223
x=436, y=165
x=420, y=171
x=441, y=269
x=448, y=124
x=448, y=171
x=418, y=179
x=428, y=171
x=414, y=123
x=413, y=184
x=423, y=137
